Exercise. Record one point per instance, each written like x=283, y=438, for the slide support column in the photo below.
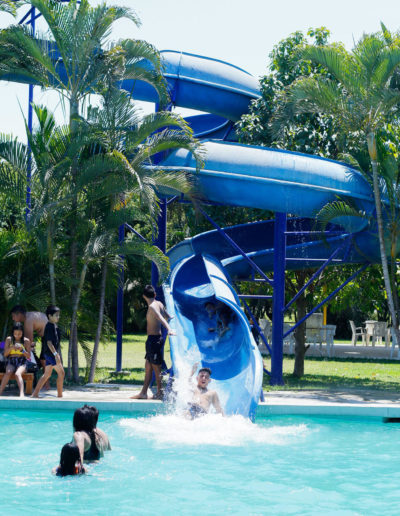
x=278, y=299
x=161, y=242
x=120, y=304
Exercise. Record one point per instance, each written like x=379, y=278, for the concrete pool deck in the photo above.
x=115, y=398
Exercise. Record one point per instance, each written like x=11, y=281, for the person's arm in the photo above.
x=159, y=317
x=27, y=346
x=28, y=329
x=216, y=403
x=51, y=347
x=7, y=347
x=79, y=440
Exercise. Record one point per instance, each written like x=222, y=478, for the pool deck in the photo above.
x=349, y=403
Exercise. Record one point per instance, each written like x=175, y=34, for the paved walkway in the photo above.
x=347, y=351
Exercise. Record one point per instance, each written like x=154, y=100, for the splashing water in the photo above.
x=212, y=429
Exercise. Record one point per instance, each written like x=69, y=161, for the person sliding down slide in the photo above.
x=202, y=397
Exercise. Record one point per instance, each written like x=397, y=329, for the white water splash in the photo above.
x=211, y=429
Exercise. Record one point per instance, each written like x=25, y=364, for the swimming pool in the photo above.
x=166, y=465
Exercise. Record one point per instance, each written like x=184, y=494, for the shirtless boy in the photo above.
x=202, y=397
x=155, y=317
x=33, y=322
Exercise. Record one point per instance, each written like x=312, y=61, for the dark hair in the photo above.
x=85, y=421
x=95, y=413
x=51, y=310
x=208, y=303
x=69, y=457
x=19, y=327
x=149, y=291
x=18, y=309
x=205, y=369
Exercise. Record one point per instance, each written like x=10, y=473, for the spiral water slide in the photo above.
x=204, y=267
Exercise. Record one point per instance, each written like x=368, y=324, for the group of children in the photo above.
x=19, y=348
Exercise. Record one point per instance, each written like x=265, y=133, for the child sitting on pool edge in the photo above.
x=51, y=351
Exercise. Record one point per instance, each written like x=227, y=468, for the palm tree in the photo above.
x=126, y=144
x=51, y=157
x=360, y=98
x=9, y=6
x=75, y=58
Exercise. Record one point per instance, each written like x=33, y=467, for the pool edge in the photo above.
x=148, y=407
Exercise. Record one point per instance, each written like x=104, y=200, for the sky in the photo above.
x=240, y=32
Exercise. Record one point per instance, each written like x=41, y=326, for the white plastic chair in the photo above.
x=290, y=338
x=394, y=343
x=357, y=332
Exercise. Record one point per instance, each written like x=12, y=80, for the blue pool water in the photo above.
x=166, y=465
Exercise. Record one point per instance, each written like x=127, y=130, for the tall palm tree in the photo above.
x=9, y=6
x=126, y=143
x=75, y=58
x=360, y=97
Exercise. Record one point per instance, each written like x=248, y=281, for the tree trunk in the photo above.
x=75, y=294
x=73, y=338
x=100, y=321
x=371, y=140
x=300, y=337
x=50, y=253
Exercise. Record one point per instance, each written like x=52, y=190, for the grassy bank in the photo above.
x=321, y=373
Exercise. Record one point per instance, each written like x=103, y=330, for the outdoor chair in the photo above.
x=328, y=334
x=379, y=333
x=290, y=340
x=394, y=343
x=357, y=332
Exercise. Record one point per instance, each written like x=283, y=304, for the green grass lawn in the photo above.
x=321, y=373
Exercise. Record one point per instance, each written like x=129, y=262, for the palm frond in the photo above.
x=337, y=212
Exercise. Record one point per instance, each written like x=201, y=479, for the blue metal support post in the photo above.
x=120, y=304
x=279, y=299
x=30, y=125
x=161, y=242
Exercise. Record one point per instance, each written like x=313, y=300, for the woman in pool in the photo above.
x=91, y=441
x=70, y=461
x=16, y=351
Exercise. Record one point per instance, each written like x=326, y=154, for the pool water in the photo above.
x=167, y=465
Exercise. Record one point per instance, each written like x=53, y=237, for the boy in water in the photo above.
x=155, y=317
x=51, y=352
x=202, y=397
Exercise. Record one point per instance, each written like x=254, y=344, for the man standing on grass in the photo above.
x=155, y=317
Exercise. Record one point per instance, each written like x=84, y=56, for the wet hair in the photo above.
x=85, y=420
x=18, y=309
x=95, y=413
x=205, y=370
x=149, y=291
x=69, y=457
x=51, y=310
x=209, y=303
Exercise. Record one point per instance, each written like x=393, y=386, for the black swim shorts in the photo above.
x=154, y=349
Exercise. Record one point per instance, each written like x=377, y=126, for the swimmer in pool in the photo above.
x=202, y=397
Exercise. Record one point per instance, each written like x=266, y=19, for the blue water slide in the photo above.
x=202, y=268
x=234, y=359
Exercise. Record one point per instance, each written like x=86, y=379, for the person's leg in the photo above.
x=6, y=378
x=46, y=376
x=157, y=374
x=18, y=376
x=60, y=379
x=147, y=379
x=47, y=384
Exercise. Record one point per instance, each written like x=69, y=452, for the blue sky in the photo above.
x=237, y=31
